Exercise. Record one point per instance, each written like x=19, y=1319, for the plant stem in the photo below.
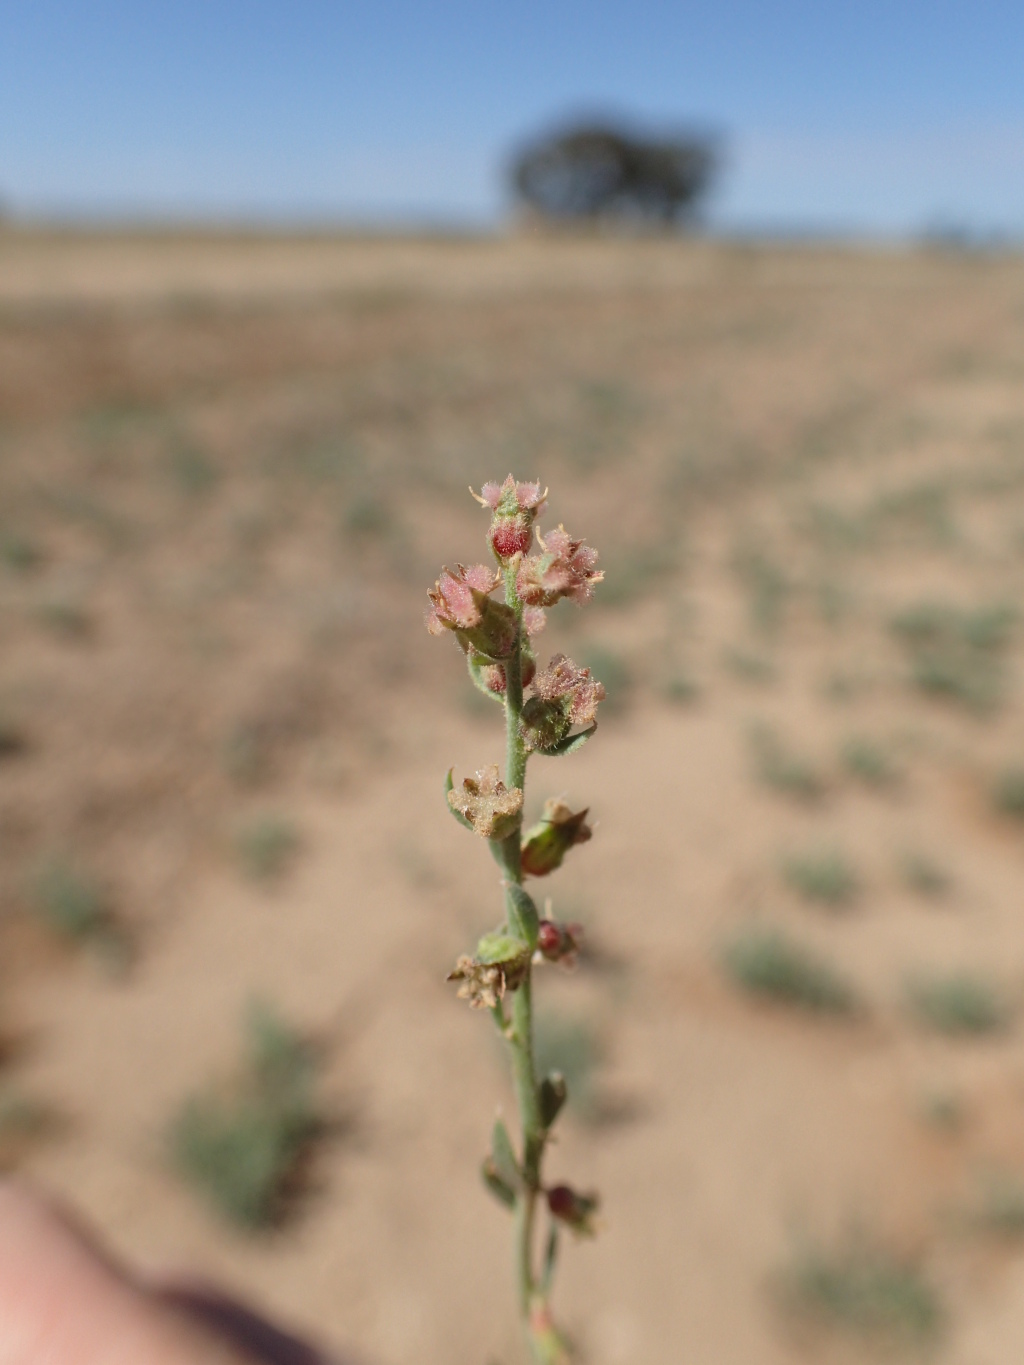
x=520, y=1036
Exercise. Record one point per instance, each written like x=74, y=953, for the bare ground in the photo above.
x=229, y=467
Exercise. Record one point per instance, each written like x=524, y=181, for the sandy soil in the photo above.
x=230, y=467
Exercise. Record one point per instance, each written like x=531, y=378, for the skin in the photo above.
x=64, y=1301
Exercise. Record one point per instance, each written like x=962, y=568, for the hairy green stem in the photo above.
x=520, y=1035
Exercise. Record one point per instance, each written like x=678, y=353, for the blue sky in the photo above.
x=840, y=114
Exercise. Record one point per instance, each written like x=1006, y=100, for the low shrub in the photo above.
x=244, y=1147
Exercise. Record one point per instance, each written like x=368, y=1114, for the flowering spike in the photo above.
x=557, y=716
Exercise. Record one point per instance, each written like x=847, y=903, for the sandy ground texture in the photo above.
x=229, y=469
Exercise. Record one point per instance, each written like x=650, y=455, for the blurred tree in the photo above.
x=596, y=170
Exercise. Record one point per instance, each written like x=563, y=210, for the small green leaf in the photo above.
x=505, y=1194
x=448, y=785
x=501, y=947
x=503, y=1158
x=570, y=744
x=553, y=1094
x=522, y=915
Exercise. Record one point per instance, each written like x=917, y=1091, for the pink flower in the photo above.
x=564, y=695
x=566, y=568
x=461, y=602
x=534, y=620
x=565, y=681
x=527, y=496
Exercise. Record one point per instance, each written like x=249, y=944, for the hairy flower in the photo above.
x=501, y=963
x=461, y=602
x=564, y=695
x=564, y=568
x=483, y=984
x=546, y=843
x=511, y=496
x=565, y=681
x=534, y=620
x=490, y=807
x=515, y=507
x=455, y=598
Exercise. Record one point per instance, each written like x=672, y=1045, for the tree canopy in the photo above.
x=593, y=171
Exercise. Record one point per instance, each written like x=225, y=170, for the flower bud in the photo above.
x=549, y=938
x=559, y=943
x=515, y=507
x=575, y=1210
x=493, y=675
x=546, y=843
x=460, y=602
x=490, y=807
x=543, y=723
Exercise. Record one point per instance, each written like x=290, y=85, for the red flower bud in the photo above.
x=549, y=938
x=515, y=506
x=559, y=943
x=510, y=536
x=493, y=675
x=575, y=1210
